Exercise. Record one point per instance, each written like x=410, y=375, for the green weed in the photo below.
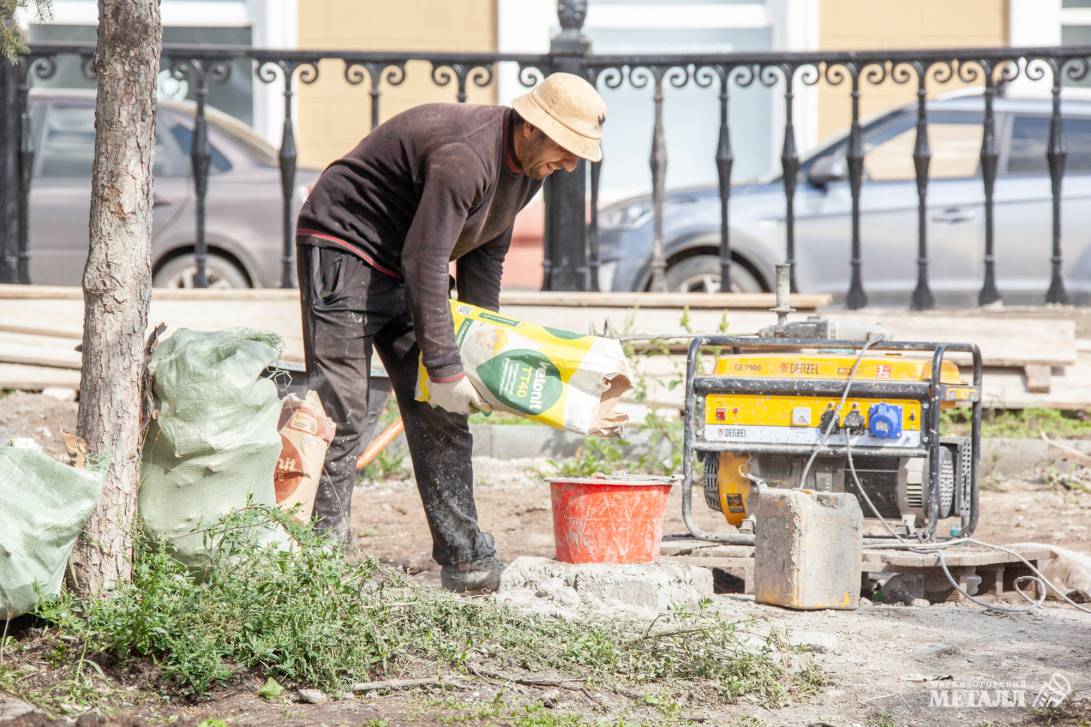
x=883, y=719
x=308, y=616
x=390, y=464
x=1020, y=423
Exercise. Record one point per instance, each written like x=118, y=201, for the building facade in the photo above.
x=333, y=115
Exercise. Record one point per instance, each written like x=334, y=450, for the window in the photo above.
x=955, y=145
x=68, y=142
x=184, y=136
x=235, y=96
x=1030, y=139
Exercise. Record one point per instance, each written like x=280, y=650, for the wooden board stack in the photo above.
x=1029, y=361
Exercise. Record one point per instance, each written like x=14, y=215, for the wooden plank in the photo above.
x=58, y=292
x=1038, y=378
x=954, y=556
x=1006, y=388
x=693, y=301
x=508, y=297
x=1040, y=341
x=41, y=330
x=35, y=378
x=17, y=348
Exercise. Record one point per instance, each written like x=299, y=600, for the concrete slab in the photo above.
x=606, y=589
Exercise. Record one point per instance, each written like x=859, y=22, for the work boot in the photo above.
x=475, y=576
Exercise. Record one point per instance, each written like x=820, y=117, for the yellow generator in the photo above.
x=808, y=404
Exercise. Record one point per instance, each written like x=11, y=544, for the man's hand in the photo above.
x=457, y=397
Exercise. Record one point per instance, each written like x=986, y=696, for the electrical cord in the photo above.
x=825, y=438
x=936, y=549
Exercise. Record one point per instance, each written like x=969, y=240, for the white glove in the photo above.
x=458, y=396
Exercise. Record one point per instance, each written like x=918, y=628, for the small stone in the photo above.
x=903, y=588
x=863, y=602
x=920, y=602
x=25, y=443
x=12, y=709
x=313, y=696
x=54, y=392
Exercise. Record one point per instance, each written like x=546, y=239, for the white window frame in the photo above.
x=526, y=26
x=273, y=24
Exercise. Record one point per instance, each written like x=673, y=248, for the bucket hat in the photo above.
x=569, y=111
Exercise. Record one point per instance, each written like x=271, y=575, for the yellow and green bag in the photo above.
x=563, y=379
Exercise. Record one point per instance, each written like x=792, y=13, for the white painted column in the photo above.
x=795, y=28
x=1033, y=23
x=523, y=26
x=274, y=24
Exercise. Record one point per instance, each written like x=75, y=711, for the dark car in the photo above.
x=956, y=218
x=243, y=229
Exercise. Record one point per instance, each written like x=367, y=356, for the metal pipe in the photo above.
x=658, y=164
x=1056, y=156
x=789, y=163
x=287, y=160
x=854, y=158
x=688, y=418
x=725, y=160
x=593, y=232
x=922, y=158
x=990, y=156
x=199, y=159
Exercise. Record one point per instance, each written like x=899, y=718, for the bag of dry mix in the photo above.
x=560, y=378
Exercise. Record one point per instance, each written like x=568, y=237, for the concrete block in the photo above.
x=651, y=587
x=13, y=709
x=807, y=549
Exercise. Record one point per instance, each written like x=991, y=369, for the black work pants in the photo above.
x=349, y=309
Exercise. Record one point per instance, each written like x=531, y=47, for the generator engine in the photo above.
x=812, y=405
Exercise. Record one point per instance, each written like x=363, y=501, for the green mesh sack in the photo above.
x=213, y=442
x=46, y=504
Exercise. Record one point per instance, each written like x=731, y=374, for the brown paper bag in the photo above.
x=305, y=435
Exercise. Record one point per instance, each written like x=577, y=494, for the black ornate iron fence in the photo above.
x=572, y=257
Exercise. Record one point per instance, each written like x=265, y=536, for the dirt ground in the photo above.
x=887, y=665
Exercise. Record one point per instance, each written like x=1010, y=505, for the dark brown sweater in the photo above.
x=436, y=183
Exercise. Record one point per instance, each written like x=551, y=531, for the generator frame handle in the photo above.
x=938, y=351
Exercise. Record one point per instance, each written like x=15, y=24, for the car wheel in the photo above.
x=701, y=274
x=181, y=272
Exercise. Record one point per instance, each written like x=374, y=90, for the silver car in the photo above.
x=243, y=227
x=956, y=219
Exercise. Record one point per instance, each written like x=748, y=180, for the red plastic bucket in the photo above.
x=609, y=519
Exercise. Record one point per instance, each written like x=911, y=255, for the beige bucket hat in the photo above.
x=570, y=112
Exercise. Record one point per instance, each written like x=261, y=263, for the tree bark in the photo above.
x=117, y=281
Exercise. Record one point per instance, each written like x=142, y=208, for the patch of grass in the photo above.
x=498, y=711
x=1072, y=480
x=63, y=687
x=390, y=464
x=615, y=455
x=882, y=719
x=1070, y=711
x=1020, y=423
x=308, y=616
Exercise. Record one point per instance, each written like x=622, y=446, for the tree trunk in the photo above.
x=117, y=281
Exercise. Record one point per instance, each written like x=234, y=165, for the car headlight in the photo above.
x=625, y=216
x=606, y=275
